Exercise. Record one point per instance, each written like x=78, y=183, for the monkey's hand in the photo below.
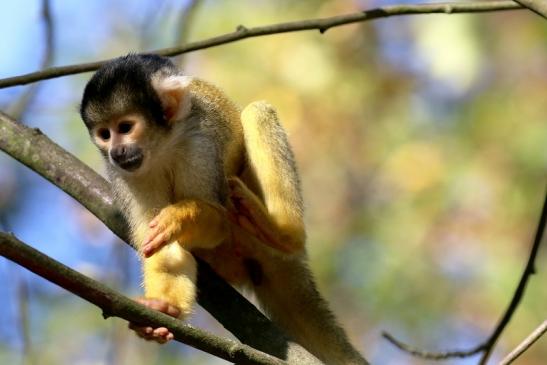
x=192, y=223
x=160, y=334
x=252, y=216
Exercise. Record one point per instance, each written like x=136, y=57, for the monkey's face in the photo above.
x=123, y=141
x=131, y=107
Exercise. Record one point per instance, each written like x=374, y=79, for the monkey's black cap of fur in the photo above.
x=125, y=82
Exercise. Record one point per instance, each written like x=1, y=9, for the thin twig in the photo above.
x=433, y=355
x=114, y=304
x=487, y=346
x=22, y=289
x=20, y=106
x=537, y=6
x=529, y=270
x=242, y=32
x=525, y=345
x=154, y=14
x=183, y=27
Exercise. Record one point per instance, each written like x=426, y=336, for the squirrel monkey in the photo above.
x=186, y=166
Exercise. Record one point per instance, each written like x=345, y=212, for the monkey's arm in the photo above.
x=190, y=222
x=277, y=218
x=169, y=269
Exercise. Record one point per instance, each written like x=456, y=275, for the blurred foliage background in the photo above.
x=421, y=142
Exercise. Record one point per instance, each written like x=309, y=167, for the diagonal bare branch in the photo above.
x=242, y=32
x=525, y=345
x=537, y=6
x=114, y=304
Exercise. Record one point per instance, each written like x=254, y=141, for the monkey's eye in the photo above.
x=104, y=134
x=125, y=127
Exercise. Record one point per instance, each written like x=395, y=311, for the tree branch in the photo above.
x=237, y=315
x=22, y=294
x=242, y=32
x=525, y=345
x=529, y=270
x=487, y=346
x=537, y=6
x=445, y=355
x=36, y=151
x=117, y=305
x=18, y=108
x=183, y=27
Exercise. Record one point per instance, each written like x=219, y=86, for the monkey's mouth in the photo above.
x=131, y=163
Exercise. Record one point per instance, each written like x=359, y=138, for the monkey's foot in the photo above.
x=161, y=334
x=252, y=216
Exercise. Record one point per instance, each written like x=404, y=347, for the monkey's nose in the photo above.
x=127, y=157
x=118, y=153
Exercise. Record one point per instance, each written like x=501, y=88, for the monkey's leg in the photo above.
x=170, y=275
x=192, y=223
x=251, y=214
x=271, y=172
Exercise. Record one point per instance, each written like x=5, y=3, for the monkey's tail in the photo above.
x=287, y=290
x=289, y=295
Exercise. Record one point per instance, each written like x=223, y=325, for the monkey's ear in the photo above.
x=174, y=94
